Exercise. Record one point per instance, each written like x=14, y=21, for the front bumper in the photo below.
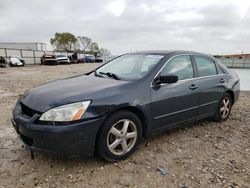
x=51, y=61
x=63, y=61
x=76, y=138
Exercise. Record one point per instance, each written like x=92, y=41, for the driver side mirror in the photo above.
x=168, y=79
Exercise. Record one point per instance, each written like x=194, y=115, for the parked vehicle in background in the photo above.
x=20, y=59
x=98, y=59
x=15, y=61
x=74, y=58
x=137, y=95
x=3, y=62
x=49, y=59
x=88, y=58
x=62, y=59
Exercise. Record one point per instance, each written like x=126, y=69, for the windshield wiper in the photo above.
x=111, y=75
x=97, y=74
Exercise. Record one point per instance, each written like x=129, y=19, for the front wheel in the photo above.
x=119, y=136
x=224, y=108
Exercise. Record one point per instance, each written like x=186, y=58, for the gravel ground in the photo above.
x=206, y=154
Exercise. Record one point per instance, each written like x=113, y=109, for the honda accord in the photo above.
x=110, y=109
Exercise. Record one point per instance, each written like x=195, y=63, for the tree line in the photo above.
x=70, y=43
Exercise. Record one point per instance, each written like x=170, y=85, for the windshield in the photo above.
x=130, y=67
x=60, y=56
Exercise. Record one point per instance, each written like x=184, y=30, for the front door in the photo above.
x=177, y=102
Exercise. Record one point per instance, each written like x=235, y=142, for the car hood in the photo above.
x=69, y=90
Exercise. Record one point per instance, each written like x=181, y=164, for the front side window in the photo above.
x=131, y=66
x=180, y=66
x=220, y=70
x=206, y=67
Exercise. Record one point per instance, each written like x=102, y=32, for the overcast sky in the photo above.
x=210, y=26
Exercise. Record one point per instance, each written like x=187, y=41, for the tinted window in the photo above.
x=180, y=66
x=206, y=67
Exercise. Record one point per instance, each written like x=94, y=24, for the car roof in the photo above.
x=168, y=52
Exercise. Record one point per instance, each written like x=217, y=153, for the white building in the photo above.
x=24, y=45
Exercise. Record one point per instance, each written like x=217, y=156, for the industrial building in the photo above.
x=24, y=45
x=238, y=56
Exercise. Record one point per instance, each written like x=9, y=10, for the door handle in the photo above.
x=193, y=87
x=222, y=80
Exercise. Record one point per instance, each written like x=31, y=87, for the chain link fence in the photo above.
x=236, y=62
x=32, y=57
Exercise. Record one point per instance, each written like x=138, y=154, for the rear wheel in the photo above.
x=224, y=108
x=119, y=136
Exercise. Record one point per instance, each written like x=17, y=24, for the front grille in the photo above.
x=27, y=111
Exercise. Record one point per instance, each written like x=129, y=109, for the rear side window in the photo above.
x=181, y=66
x=206, y=67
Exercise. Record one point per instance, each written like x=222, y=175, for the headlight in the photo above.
x=69, y=112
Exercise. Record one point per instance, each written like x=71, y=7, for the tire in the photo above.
x=114, y=143
x=226, y=104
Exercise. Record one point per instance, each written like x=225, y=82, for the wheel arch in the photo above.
x=138, y=112
x=141, y=115
x=231, y=93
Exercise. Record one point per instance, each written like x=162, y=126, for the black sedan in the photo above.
x=136, y=95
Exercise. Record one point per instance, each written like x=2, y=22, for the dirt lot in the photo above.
x=206, y=154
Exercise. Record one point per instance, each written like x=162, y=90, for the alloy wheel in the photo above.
x=122, y=137
x=225, y=107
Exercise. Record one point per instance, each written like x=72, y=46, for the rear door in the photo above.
x=211, y=82
x=176, y=102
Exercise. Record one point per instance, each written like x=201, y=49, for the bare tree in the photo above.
x=84, y=43
x=105, y=52
x=94, y=47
